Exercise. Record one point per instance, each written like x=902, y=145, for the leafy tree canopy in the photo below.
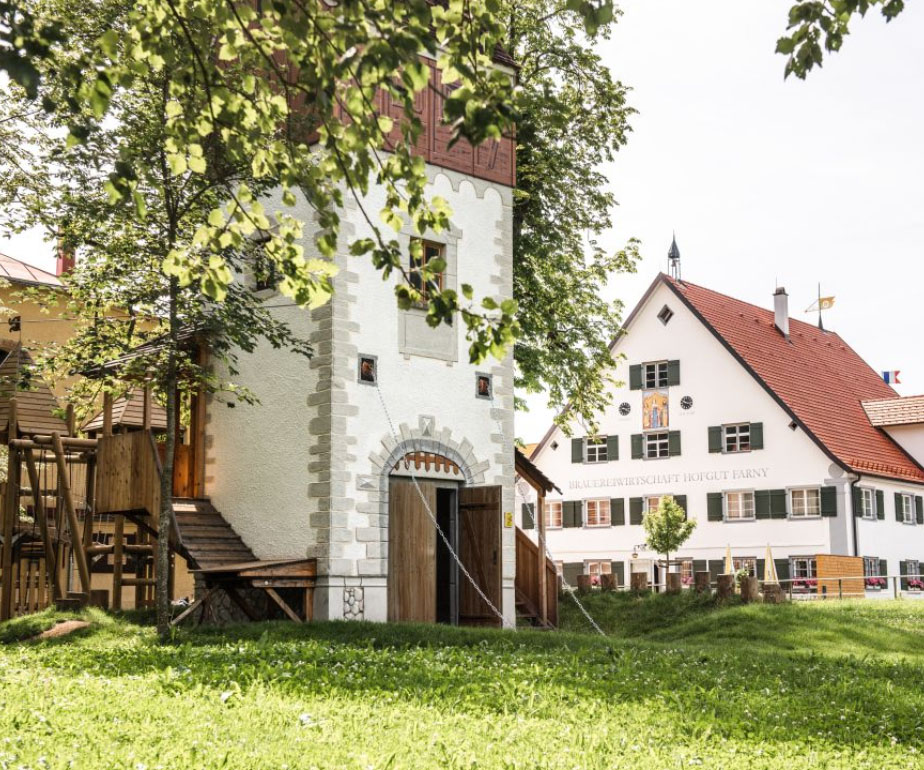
x=667, y=528
x=817, y=26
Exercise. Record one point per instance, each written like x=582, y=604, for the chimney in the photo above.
x=66, y=260
x=781, y=311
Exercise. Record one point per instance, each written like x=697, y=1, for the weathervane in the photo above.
x=822, y=303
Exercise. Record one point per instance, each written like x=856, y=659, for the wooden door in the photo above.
x=411, y=552
x=480, y=554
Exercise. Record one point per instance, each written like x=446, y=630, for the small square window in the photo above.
x=665, y=315
x=746, y=562
x=595, y=450
x=597, y=513
x=367, y=369
x=655, y=375
x=597, y=568
x=907, y=509
x=803, y=568
x=738, y=438
x=870, y=566
x=739, y=506
x=553, y=517
x=652, y=503
x=657, y=445
x=484, y=386
x=805, y=503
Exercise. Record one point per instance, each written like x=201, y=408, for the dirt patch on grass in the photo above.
x=63, y=628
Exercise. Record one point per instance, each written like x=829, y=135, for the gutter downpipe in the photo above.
x=853, y=516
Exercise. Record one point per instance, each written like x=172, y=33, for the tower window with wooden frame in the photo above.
x=429, y=251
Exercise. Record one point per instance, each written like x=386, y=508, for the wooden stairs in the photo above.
x=204, y=538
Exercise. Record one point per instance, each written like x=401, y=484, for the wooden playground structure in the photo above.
x=78, y=520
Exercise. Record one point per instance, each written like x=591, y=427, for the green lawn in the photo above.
x=795, y=686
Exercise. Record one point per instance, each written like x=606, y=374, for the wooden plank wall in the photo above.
x=127, y=476
x=830, y=567
x=527, y=577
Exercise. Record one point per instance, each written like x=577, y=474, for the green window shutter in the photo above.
x=828, y=501
x=715, y=439
x=638, y=441
x=529, y=515
x=883, y=568
x=617, y=511
x=635, y=510
x=681, y=500
x=619, y=570
x=715, y=568
x=903, y=570
x=700, y=565
x=857, y=501
x=777, y=503
x=880, y=504
x=760, y=569
x=762, y=504
x=612, y=448
x=898, y=506
x=567, y=513
x=577, y=450
x=570, y=572
x=714, y=510
x=757, y=435
x=635, y=377
x=919, y=509
x=578, y=513
x=673, y=372
x=782, y=569
x=673, y=443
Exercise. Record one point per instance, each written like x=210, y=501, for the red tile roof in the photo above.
x=815, y=375
x=896, y=411
x=19, y=272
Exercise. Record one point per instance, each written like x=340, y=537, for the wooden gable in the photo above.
x=36, y=405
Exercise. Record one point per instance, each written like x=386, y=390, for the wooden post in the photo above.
x=726, y=586
x=543, y=586
x=639, y=581
x=107, y=413
x=583, y=584
x=749, y=586
x=10, y=513
x=146, y=408
x=41, y=515
x=673, y=582
x=608, y=582
x=80, y=555
x=701, y=581
x=773, y=593
x=71, y=420
x=118, y=539
x=90, y=506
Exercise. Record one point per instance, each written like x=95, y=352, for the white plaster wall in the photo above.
x=910, y=438
x=722, y=392
x=299, y=475
x=888, y=538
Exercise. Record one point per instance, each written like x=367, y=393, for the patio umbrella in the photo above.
x=729, y=563
x=770, y=575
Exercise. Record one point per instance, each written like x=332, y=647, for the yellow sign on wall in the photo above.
x=508, y=519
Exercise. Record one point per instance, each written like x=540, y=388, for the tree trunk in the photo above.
x=166, y=479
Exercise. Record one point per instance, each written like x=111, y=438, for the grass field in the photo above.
x=794, y=686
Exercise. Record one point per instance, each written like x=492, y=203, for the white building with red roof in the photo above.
x=767, y=430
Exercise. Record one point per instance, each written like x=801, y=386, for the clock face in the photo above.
x=624, y=408
x=686, y=402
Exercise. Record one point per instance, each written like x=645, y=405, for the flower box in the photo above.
x=875, y=583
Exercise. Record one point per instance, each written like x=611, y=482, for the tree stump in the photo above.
x=608, y=583
x=639, y=581
x=773, y=593
x=749, y=587
x=674, y=582
x=583, y=584
x=726, y=586
x=701, y=581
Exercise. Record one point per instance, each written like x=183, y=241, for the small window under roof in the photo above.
x=665, y=315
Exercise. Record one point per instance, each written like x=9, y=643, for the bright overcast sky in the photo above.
x=767, y=181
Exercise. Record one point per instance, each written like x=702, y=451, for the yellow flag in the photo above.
x=822, y=303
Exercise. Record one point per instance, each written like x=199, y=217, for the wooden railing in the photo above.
x=527, y=578
x=128, y=474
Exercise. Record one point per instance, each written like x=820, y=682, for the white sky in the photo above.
x=766, y=181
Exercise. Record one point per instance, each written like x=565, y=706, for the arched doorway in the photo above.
x=433, y=514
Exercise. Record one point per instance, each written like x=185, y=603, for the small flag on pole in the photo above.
x=822, y=303
x=891, y=378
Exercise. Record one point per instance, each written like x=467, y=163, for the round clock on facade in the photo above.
x=624, y=408
x=686, y=402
